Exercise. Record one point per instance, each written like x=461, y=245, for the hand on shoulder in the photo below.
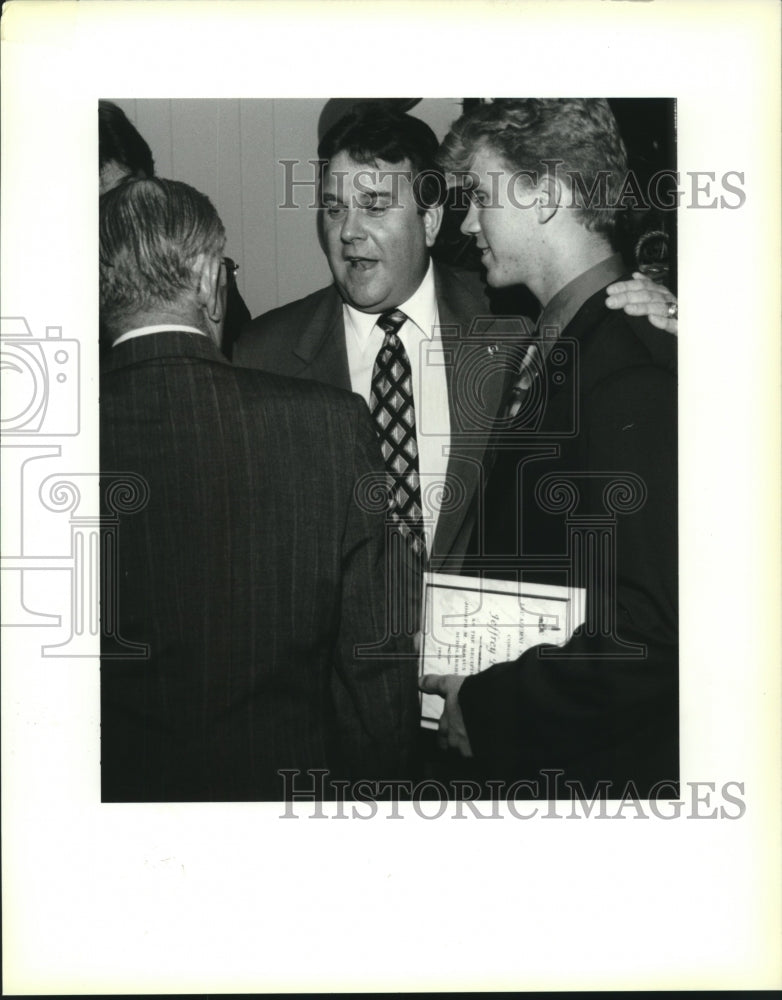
x=643, y=297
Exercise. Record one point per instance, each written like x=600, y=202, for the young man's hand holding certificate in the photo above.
x=471, y=624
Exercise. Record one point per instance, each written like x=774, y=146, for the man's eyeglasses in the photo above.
x=231, y=267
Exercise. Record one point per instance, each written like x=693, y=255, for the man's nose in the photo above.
x=353, y=226
x=471, y=225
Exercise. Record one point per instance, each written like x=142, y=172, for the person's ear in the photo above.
x=550, y=194
x=433, y=219
x=211, y=286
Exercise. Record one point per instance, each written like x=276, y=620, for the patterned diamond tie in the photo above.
x=391, y=404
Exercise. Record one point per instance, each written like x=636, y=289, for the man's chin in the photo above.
x=362, y=298
x=373, y=308
x=495, y=279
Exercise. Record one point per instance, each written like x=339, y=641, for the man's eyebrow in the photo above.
x=361, y=197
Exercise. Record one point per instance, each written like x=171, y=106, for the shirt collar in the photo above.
x=143, y=331
x=421, y=308
x=569, y=299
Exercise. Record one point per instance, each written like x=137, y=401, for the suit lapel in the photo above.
x=321, y=345
x=480, y=357
x=480, y=353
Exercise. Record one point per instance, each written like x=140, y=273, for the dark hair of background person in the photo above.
x=119, y=140
x=375, y=130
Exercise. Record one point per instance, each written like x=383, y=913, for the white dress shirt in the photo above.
x=421, y=338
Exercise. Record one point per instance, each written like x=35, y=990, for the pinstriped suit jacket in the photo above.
x=252, y=573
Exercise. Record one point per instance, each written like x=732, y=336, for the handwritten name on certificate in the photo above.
x=472, y=623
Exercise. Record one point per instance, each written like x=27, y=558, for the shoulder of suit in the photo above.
x=293, y=312
x=267, y=338
x=267, y=388
x=611, y=342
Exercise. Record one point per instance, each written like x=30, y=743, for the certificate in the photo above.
x=471, y=623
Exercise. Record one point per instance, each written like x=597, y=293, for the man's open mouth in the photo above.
x=360, y=263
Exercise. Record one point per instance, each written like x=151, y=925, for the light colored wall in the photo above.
x=231, y=150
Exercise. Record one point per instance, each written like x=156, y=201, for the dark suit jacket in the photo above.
x=307, y=339
x=609, y=408
x=253, y=573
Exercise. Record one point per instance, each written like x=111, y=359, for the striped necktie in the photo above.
x=518, y=393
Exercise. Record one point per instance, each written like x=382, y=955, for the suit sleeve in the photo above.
x=598, y=714
x=375, y=687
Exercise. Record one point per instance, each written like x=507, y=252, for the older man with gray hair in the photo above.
x=254, y=575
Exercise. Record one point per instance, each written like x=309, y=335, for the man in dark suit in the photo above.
x=585, y=471
x=381, y=203
x=245, y=606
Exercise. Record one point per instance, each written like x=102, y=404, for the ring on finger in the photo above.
x=673, y=310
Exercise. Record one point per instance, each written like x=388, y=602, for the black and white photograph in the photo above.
x=390, y=514
x=262, y=641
